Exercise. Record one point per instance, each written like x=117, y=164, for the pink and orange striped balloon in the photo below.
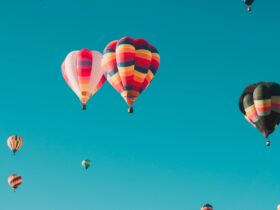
x=82, y=71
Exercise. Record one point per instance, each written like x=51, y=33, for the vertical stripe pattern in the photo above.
x=14, y=143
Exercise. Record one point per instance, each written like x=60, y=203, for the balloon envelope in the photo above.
x=83, y=73
x=248, y=2
x=207, y=207
x=260, y=105
x=86, y=164
x=14, y=143
x=130, y=65
x=14, y=181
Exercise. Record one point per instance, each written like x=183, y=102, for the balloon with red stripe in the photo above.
x=14, y=181
x=14, y=143
x=130, y=65
x=83, y=73
x=260, y=105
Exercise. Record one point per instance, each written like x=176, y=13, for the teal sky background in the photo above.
x=187, y=142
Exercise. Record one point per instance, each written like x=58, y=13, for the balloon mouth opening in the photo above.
x=266, y=133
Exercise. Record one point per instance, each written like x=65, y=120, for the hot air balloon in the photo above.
x=249, y=4
x=207, y=207
x=130, y=65
x=15, y=143
x=14, y=181
x=82, y=71
x=278, y=207
x=260, y=104
x=86, y=164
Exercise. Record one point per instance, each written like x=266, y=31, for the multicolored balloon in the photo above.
x=249, y=4
x=14, y=181
x=207, y=207
x=130, y=65
x=278, y=207
x=82, y=71
x=260, y=104
x=86, y=164
x=14, y=143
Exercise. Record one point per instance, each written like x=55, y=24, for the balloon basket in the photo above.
x=130, y=110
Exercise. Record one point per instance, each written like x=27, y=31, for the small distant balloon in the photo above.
x=207, y=207
x=14, y=181
x=86, y=164
x=249, y=4
x=278, y=207
x=14, y=143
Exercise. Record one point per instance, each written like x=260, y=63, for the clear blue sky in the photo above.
x=187, y=142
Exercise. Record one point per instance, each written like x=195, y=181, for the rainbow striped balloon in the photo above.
x=14, y=181
x=130, y=65
x=260, y=105
x=14, y=143
x=82, y=71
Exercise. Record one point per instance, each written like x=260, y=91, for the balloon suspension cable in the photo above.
x=84, y=106
x=267, y=142
x=130, y=110
x=14, y=152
